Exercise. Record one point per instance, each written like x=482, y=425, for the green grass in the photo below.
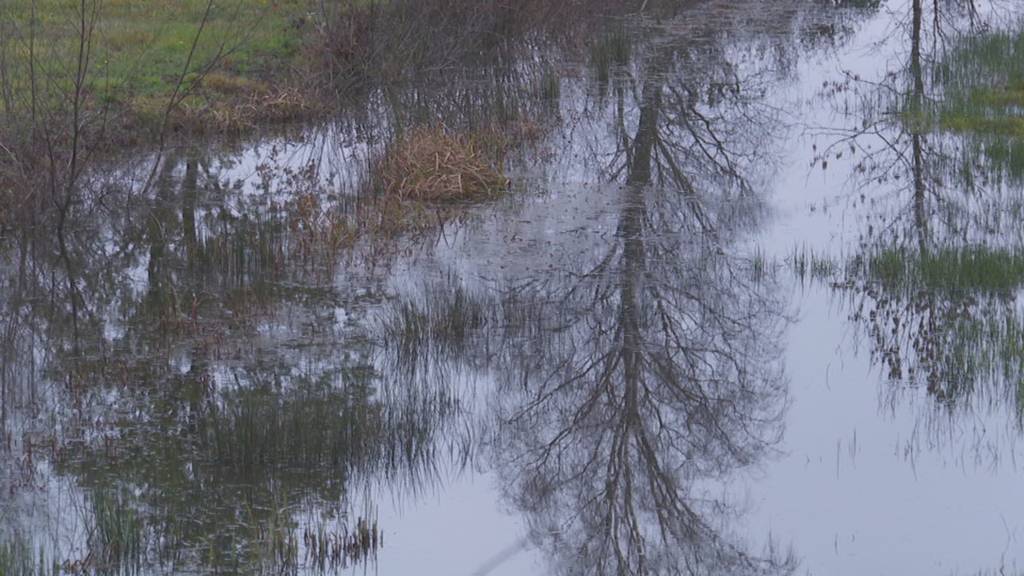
x=120, y=533
x=946, y=318
x=808, y=265
x=950, y=318
x=978, y=97
x=974, y=269
x=977, y=270
x=982, y=81
x=18, y=558
x=140, y=48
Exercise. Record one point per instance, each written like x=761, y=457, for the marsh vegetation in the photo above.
x=322, y=288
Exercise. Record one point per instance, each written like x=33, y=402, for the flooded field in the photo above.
x=703, y=287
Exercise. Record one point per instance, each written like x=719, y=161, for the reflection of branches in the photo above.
x=651, y=392
x=632, y=381
x=198, y=394
x=931, y=281
x=659, y=377
x=900, y=152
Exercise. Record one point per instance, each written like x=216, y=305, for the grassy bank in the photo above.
x=133, y=57
x=233, y=63
x=80, y=79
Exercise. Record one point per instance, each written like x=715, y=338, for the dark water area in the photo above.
x=746, y=308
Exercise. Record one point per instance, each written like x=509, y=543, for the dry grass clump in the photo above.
x=229, y=109
x=247, y=111
x=434, y=165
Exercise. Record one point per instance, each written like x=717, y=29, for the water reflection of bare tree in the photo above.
x=212, y=407
x=645, y=373
x=633, y=385
x=210, y=401
x=932, y=280
x=660, y=374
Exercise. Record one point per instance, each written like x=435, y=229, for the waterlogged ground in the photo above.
x=749, y=307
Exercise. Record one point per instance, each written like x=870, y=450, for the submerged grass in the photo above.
x=807, y=264
x=119, y=535
x=18, y=558
x=982, y=84
x=978, y=97
x=976, y=269
x=945, y=319
x=983, y=78
x=331, y=547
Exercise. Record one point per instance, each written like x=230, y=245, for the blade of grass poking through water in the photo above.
x=19, y=558
x=119, y=535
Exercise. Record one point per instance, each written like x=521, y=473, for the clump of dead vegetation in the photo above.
x=236, y=108
x=435, y=165
x=228, y=109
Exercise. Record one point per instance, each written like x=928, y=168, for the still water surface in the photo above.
x=673, y=348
